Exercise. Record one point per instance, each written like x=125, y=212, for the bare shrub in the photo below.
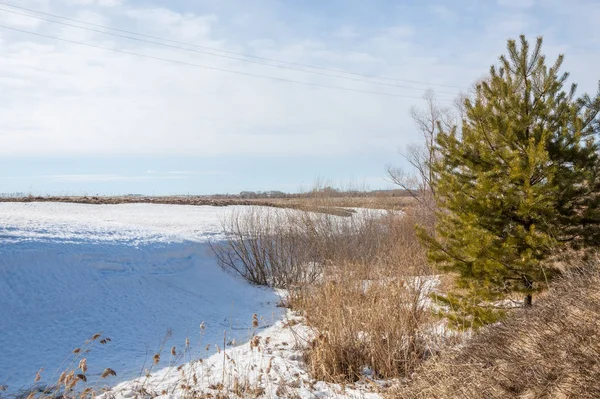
x=284, y=247
x=264, y=248
x=420, y=182
x=549, y=351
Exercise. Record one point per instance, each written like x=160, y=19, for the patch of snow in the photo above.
x=270, y=365
x=130, y=271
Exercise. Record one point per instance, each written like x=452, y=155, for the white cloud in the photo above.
x=106, y=178
x=444, y=13
x=186, y=173
x=88, y=100
x=184, y=27
x=17, y=20
x=399, y=32
x=98, y=177
x=346, y=32
x=101, y=3
x=60, y=98
x=517, y=3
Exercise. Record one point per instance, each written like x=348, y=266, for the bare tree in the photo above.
x=429, y=121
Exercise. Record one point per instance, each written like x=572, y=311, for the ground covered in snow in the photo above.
x=270, y=365
x=132, y=272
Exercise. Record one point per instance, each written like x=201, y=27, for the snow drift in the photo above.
x=132, y=272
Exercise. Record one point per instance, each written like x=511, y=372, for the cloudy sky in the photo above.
x=218, y=96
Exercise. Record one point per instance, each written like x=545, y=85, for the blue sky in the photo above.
x=81, y=120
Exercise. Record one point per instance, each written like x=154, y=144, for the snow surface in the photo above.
x=131, y=271
x=273, y=368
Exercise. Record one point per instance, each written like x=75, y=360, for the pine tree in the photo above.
x=516, y=184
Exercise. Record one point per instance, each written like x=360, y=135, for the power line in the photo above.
x=228, y=52
x=209, y=67
x=221, y=55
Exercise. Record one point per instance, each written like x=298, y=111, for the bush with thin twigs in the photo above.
x=549, y=351
x=283, y=247
x=264, y=249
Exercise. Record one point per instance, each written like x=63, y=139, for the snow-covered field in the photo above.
x=68, y=271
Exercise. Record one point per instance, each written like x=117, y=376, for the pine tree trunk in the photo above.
x=528, y=301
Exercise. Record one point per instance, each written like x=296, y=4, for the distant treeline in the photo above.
x=327, y=191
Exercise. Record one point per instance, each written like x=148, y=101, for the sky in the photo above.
x=193, y=107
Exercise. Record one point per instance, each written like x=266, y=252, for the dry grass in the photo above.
x=381, y=200
x=549, y=351
x=373, y=315
x=380, y=328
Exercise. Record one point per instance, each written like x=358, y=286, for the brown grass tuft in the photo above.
x=380, y=327
x=38, y=375
x=108, y=372
x=83, y=365
x=371, y=314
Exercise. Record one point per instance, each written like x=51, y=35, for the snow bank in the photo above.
x=269, y=366
x=132, y=271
